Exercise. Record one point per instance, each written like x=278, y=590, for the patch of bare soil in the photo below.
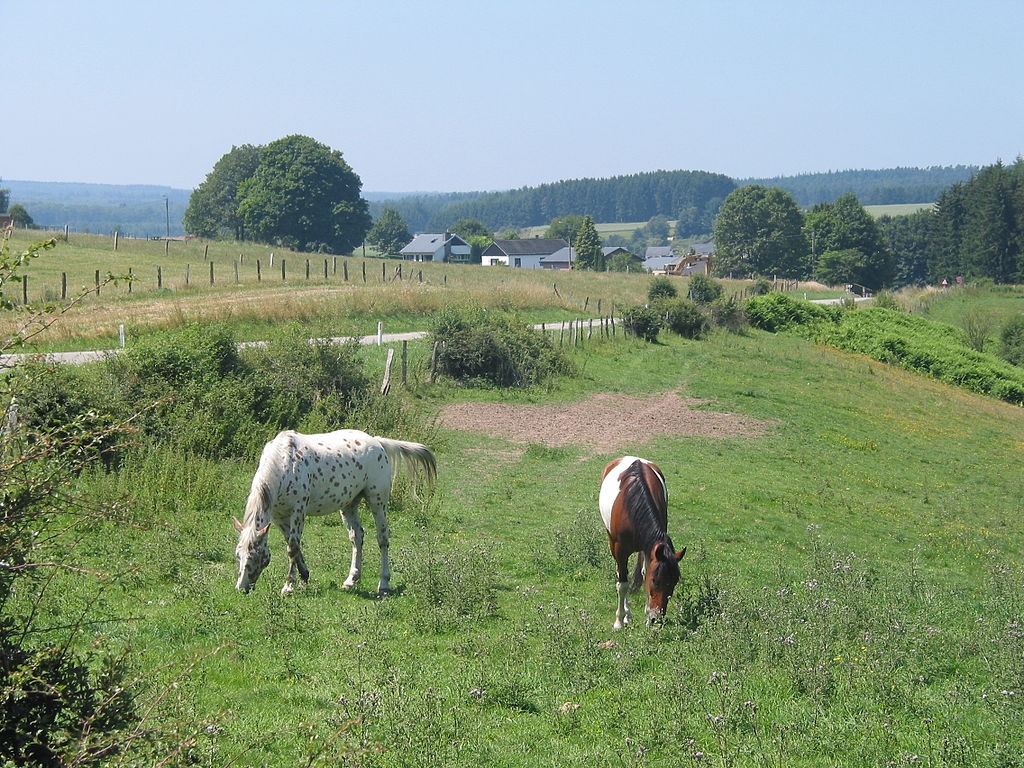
x=604, y=423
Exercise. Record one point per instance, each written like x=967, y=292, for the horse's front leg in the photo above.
x=355, y=535
x=296, y=563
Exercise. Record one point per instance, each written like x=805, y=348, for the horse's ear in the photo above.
x=263, y=531
x=680, y=553
x=238, y=524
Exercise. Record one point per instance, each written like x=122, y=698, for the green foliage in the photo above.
x=643, y=322
x=933, y=349
x=978, y=228
x=477, y=346
x=661, y=288
x=1011, y=340
x=780, y=312
x=389, y=233
x=587, y=247
x=704, y=290
x=304, y=196
x=683, y=316
x=213, y=206
x=852, y=247
x=759, y=231
x=50, y=697
x=216, y=401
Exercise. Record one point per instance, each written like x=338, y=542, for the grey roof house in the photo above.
x=441, y=247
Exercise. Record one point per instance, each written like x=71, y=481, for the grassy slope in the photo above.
x=850, y=590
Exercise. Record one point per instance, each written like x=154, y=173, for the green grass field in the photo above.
x=852, y=592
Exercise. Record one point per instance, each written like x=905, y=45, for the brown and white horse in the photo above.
x=301, y=475
x=634, y=506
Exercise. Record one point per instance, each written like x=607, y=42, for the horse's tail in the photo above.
x=416, y=456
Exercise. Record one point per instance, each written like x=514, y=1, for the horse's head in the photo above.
x=252, y=554
x=662, y=577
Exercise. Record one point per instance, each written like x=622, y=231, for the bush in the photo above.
x=661, y=288
x=642, y=322
x=704, y=289
x=1011, y=340
x=728, y=313
x=684, y=317
x=779, y=312
x=476, y=346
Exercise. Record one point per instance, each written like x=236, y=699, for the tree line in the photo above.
x=974, y=231
x=691, y=198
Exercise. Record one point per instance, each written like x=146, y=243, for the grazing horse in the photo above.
x=300, y=475
x=634, y=507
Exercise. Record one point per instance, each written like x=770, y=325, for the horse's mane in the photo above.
x=649, y=522
x=275, y=457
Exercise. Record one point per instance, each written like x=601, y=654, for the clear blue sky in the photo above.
x=460, y=95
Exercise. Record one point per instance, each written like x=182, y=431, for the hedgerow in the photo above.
x=897, y=338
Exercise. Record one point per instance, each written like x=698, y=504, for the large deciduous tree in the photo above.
x=213, y=206
x=304, y=195
x=389, y=233
x=759, y=232
x=842, y=229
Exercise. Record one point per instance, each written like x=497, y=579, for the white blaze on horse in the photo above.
x=634, y=506
x=310, y=475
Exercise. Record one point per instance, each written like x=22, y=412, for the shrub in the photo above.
x=684, y=317
x=779, y=312
x=704, y=289
x=494, y=349
x=1011, y=340
x=728, y=313
x=642, y=322
x=661, y=288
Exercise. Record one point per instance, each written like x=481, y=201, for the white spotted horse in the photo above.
x=634, y=506
x=309, y=475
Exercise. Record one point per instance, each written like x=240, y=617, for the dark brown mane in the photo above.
x=647, y=513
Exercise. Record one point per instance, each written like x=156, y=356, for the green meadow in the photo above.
x=851, y=595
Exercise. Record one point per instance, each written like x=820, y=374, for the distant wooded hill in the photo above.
x=153, y=211
x=691, y=195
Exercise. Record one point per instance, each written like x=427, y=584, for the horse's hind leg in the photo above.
x=622, y=612
x=355, y=534
x=380, y=520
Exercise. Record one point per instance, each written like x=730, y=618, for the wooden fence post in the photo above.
x=259, y=272
x=283, y=276
x=405, y=362
x=63, y=285
x=344, y=266
x=159, y=277
x=97, y=282
x=386, y=384
x=211, y=273
x=24, y=289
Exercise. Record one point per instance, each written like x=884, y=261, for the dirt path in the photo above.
x=604, y=423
